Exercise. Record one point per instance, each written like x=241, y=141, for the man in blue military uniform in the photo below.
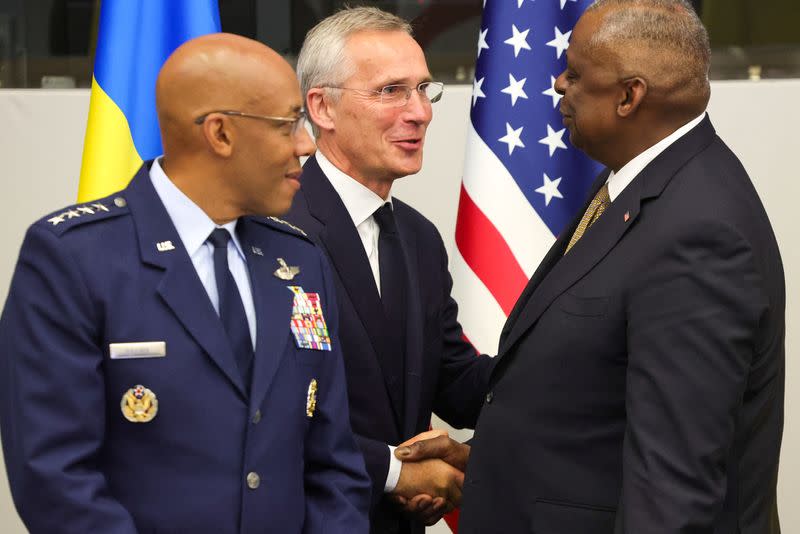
x=168, y=355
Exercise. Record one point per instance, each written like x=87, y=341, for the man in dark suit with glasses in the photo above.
x=370, y=97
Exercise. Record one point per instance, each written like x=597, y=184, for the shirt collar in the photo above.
x=192, y=223
x=359, y=201
x=618, y=181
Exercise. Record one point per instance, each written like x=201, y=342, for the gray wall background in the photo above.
x=42, y=138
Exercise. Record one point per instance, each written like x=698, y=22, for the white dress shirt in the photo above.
x=618, y=181
x=360, y=202
x=194, y=227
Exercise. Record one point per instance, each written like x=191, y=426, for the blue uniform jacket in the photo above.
x=213, y=459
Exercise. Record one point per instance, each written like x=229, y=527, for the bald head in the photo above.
x=662, y=41
x=215, y=72
x=231, y=120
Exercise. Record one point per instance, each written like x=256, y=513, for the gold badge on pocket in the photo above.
x=139, y=404
x=311, y=398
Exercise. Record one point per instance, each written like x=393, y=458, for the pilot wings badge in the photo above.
x=286, y=272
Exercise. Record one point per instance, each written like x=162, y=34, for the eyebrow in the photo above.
x=400, y=81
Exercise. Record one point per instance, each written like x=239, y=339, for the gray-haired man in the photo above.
x=370, y=96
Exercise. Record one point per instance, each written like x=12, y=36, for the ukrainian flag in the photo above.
x=135, y=38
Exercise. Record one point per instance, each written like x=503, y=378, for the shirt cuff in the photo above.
x=393, y=475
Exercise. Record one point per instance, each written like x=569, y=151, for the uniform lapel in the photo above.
x=343, y=245
x=273, y=303
x=180, y=287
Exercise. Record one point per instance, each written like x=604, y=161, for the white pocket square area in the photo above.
x=142, y=349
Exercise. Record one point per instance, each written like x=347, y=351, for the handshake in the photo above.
x=432, y=475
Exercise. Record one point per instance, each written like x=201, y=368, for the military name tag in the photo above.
x=308, y=322
x=144, y=349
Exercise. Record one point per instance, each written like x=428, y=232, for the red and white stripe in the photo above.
x=500, y=241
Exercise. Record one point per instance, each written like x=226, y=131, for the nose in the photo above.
x=561, y=83
x=303, y=144
x=418, y=108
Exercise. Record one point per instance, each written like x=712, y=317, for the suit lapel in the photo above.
x=180, y=287
x=550, y=260
x=593, y=246
x=561, y=272
x=273, y=304
x=343, y=245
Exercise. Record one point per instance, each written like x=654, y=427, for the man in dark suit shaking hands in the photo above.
x=370, y=96
x=643, y=365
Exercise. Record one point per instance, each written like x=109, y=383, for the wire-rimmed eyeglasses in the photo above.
x=398, y=94
x=298, y=122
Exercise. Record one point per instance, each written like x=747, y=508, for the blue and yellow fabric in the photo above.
x=134, y=40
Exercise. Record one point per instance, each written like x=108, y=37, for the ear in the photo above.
x=634, y=91
x=320, y=109
x=219, y=135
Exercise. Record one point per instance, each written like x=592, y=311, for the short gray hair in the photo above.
x=322, y=60
x=669, y=27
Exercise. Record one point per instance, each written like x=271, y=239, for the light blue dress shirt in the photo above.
x=194, y=227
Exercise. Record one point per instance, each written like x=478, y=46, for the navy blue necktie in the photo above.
x=231, y=309
x=392, y=263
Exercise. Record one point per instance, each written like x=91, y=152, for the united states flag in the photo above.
x=523, y=181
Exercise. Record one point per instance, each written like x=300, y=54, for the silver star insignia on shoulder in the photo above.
x=286, y=272
x=57, y=219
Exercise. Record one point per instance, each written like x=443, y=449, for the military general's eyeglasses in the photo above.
x=398, y=94
x=298, y=122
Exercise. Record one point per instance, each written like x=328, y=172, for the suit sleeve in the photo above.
x=376, y=458
x=463, y=373
x=337, y=486
x=53, y=396
x=691, y=340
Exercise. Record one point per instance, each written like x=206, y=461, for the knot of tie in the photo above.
x=385, y=219
x=219, y=238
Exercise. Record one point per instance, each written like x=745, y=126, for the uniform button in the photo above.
x=257, y=417
x=120, y=202
x=253, y=480
x=489, y=397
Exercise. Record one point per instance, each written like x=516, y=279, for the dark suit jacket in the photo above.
x=442, y=372
x=639, y=387
x=100, y=273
